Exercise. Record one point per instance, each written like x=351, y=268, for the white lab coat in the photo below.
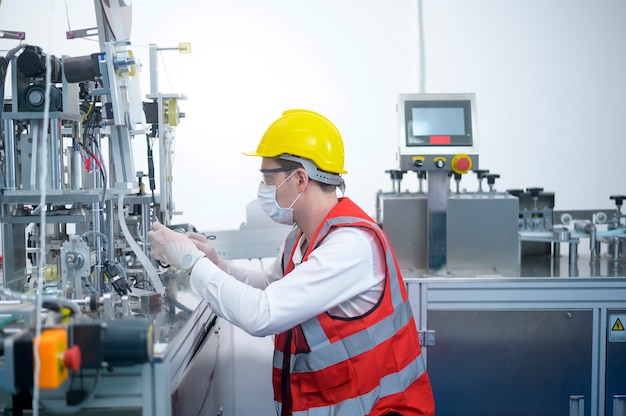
x=344, y=276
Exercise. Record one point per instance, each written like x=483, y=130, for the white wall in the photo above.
x=548, y=76
x=550, y=81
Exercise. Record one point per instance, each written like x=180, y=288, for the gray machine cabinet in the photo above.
x=482, y=233
x=616, y=359
x=509, y=362
x=523, y=346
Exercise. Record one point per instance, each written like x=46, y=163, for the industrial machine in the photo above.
x=88, y=323
x=441, y=231
x=510, y=323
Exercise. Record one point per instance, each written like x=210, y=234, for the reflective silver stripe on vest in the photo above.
x=330, y=354
x=326, y=354
x=290, y=243
x=389, y=385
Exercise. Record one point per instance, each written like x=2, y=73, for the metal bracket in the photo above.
x=81, y=33
x=11, y=34
x=427, y=337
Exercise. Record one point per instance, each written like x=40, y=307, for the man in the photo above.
x=346, y=341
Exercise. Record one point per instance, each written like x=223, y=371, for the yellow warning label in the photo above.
x=617, y=326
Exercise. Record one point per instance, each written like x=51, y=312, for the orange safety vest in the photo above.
x=367, y=365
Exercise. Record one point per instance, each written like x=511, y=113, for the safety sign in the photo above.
x=617, y=332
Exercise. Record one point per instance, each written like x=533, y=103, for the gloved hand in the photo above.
x=172, y=248
x=203, y=244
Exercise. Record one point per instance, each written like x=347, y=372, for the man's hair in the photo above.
x=283, y=163
x=325, y=187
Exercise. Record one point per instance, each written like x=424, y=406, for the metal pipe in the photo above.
x=145, y=227
x=421, y=47
x=437, y=221
x=110, y=231
x=76, y=173
x=9, y=147
x=573, y=252
x=54, y=153
x=590, y=229
x=99, y=246
x=38, y=133
x=616, y=246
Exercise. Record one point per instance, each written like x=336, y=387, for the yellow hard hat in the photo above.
x=305, y=134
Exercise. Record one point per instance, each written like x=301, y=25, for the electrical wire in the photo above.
x=67, y=17
x=94, y=158
x=91, y=123
x=104, y=174
x=170, y=168
x=89, y=110
x=78, y=407
x=151, y=181
x=96, y=233
x=41, y=258
x=88, y=285
x=167, y=76
x=141, y=256
x=92, y=117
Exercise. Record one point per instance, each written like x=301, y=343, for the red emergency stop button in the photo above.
x=72, y=358
x=461, y=163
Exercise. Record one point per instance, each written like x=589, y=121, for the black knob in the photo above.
x=515, y=192
x=491, y=178
x=418, y=163
x=619, y=199
x=396, y=174
x=480, y=173
x=534, y=192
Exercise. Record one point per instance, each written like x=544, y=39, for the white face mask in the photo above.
x=267, y=199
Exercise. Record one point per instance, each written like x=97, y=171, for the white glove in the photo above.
x=173, y=248
x=203, y=244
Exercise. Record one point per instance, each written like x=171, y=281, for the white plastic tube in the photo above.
x=147, y=264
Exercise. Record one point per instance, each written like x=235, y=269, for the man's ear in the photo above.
x=303, y=177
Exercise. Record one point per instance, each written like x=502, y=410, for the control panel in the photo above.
x=437, y=132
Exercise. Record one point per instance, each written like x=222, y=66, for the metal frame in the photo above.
x=600, y=295
x=148, y=389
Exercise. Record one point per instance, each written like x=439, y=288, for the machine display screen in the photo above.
x=438, y=123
